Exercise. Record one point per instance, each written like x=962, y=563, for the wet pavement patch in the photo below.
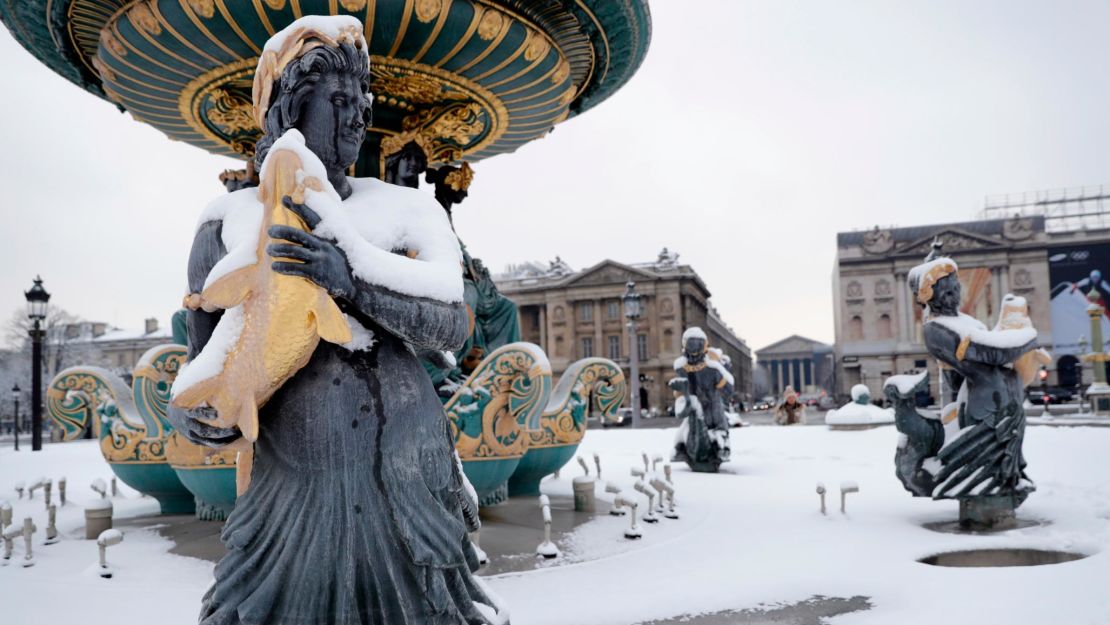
x=812, y=611
x=1001, y=557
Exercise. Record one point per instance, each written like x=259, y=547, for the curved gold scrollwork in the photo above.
x=80, y=396
x=595, y=384
x=501, y=401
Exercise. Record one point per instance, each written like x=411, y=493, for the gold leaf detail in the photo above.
x=109, y=41
x=567, y=96
x=427, y=10
x=233, y=114
x=561, y=72
x=102, y=70
x=491, y=24
x=460, y=179
x=203, y=8
x=537, y=47
x=112, y=95
x=276, y=5
x=353, y=5
x=142, y=17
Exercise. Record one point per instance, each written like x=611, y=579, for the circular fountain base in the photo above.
x=958, y=527
x=1001, y=557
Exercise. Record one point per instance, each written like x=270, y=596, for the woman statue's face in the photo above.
x=333, y=120
x=946, y=295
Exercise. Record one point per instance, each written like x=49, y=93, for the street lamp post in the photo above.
x=633, y=309
x=15, y=423
x=37, y=299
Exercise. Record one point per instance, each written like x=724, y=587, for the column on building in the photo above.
x=774, y=371
x=599, y=338
x=543, y=328
x=796, y=374
x=808, y=365
x=905, y=318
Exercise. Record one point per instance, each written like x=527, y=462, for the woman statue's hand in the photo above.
x=319, y=260
x=189, y=423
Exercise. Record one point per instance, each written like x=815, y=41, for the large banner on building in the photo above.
x=1072, y=271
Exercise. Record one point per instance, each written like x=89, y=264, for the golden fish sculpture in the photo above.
x=284, y=318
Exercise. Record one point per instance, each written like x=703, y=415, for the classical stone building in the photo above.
x=98, y=344
x=797, y=361
x=576, y=314
x=878, y=323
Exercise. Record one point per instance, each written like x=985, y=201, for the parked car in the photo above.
x=1054, y=395
x=624, y=417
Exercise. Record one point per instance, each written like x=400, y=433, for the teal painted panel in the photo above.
x=215, y=487
x=536, y=465
x=159, y=481
x=487, y=475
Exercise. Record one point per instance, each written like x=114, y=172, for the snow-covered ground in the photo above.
x=750, y=535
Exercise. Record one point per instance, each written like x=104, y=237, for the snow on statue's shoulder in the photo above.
x=972, y=329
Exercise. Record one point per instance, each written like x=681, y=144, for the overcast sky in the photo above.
x=753, y=132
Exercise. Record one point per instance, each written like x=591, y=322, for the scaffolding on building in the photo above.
x=1064, y=210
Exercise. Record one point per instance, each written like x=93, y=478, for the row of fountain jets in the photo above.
x=11, y=532
x=657, y=487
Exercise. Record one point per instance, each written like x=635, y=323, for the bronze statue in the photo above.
x=354, y=513
x=973, y=451
x=702, y=439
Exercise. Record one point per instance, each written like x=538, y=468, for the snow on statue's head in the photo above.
x=861, y=394
x=936, y=284
x=694, y=344
x=314, y=76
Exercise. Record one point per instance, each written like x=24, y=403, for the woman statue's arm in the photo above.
x=996, y=356
x=424, y=323
x=207, y=249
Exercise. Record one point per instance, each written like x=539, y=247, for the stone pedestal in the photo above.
x=1099, y=396
x=990, y=512
x=584, y=500
x=98, y=517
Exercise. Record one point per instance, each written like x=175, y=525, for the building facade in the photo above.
x=804, y=364
x=578, y=314
x=96, y=343
x=879, y=324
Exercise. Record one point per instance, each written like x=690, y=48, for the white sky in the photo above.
x=753, y=133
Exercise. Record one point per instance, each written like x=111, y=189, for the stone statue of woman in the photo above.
x=354, y=509
x=978, y=457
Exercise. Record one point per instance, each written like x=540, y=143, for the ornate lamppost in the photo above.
x=633, y=309
x=15, y=419
x=37, y=299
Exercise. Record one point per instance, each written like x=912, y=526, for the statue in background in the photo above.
x=702, y=439
x=495, y=321
x=978, y=460
x=354, y=513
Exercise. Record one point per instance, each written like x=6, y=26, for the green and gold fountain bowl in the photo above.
x=472, y=78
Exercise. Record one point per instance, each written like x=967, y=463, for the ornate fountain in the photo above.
x=453, y=81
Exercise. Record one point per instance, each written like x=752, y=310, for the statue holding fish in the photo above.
x=308, y=298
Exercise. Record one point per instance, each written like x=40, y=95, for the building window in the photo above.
x=614, y=347
x=855, y=328
x=920, y=364
x=885, y=329
x=587, y=347
x=641, y=346
x=613, y=309
x=586, y=311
